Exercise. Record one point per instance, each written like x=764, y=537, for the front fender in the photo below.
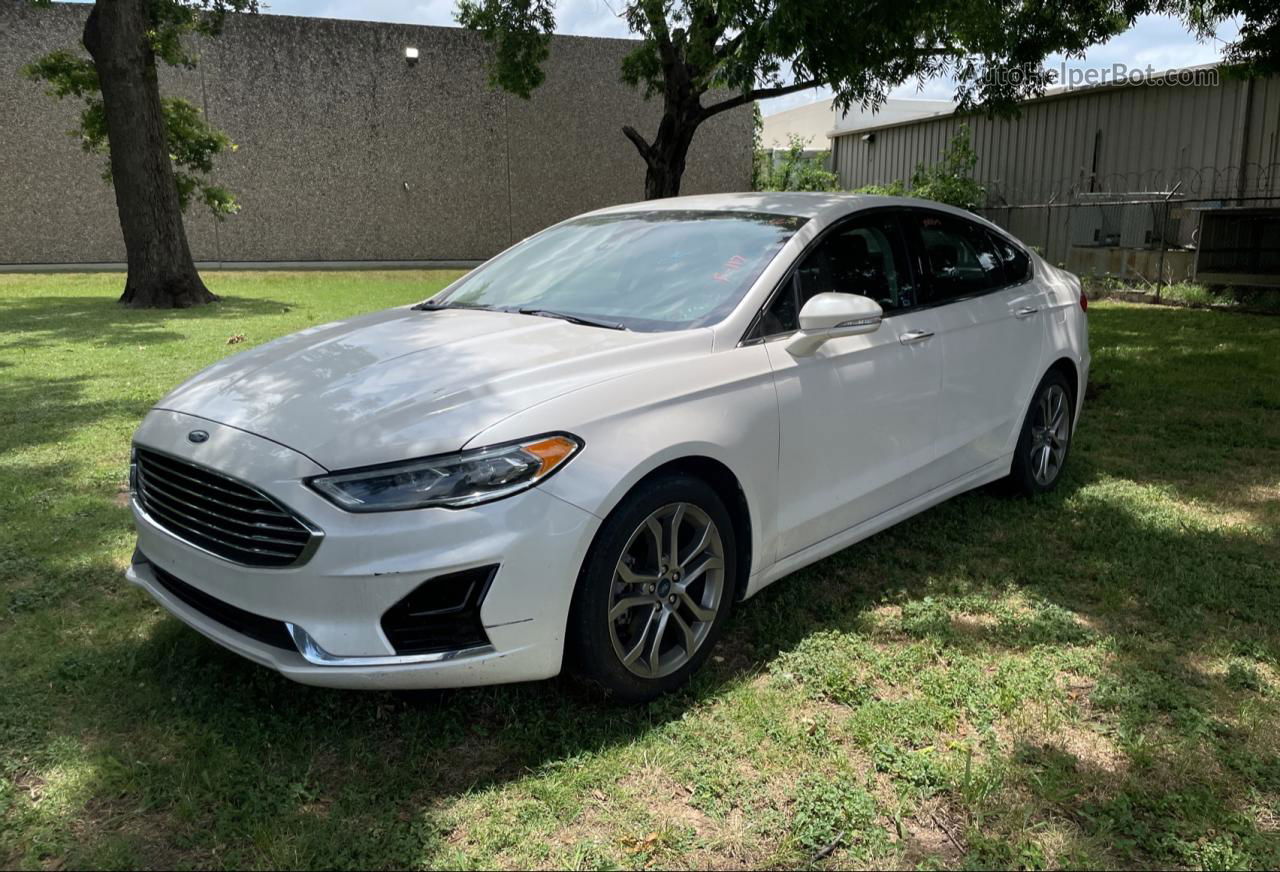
x=723, y=407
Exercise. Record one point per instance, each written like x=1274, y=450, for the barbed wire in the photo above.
x=1232, y=181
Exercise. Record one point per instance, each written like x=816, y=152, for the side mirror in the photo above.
x=827, y=316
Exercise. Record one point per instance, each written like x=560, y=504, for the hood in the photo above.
x=403, y=383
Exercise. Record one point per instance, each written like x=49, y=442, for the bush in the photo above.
x=1188, y=292
x=949, y=181
x=794, y=172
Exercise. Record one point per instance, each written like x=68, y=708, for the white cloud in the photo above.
x=1158, y=41
x=582, y=17
x=591, y=18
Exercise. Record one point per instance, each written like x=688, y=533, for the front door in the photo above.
x=858, y=417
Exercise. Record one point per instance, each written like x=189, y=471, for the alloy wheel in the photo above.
x=668, y=586
x=1050, y=432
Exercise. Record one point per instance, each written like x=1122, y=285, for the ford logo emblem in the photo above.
x=198, y=436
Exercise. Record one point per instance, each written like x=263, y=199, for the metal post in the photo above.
x=1164, y=243
x=1048, y=220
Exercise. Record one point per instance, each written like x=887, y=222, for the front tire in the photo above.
x=655, y=590
x=1045, y=439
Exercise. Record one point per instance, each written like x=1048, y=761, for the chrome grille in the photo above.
x=219, y=514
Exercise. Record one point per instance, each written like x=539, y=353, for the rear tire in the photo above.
x=1044, y=442
x=646, y=612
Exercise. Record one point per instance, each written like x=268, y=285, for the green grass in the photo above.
x=1091, y=678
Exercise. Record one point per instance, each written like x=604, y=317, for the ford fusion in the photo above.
x=582, y=455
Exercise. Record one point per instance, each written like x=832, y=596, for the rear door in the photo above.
x=991, y=335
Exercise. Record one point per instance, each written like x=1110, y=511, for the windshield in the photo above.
x=650, y=271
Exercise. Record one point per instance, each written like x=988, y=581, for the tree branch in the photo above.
x=758, y=94
x=638, y=141
x=726, y=49
x=656, y=16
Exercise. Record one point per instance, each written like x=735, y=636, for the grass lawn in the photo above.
x=1090, y=678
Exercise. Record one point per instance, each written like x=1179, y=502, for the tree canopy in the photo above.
x=704, y=57
x=193, y=142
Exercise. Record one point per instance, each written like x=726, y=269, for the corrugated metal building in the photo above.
x=1203, y=141
x=1119, y=138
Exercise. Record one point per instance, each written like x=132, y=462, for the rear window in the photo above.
x=959, y=257
x=1017, y=263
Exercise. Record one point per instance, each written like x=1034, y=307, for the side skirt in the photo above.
x=993, y=471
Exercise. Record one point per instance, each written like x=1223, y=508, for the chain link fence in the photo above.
x=1154, y=237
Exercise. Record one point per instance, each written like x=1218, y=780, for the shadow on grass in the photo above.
x=48, y=409
x=27, y=322
x=354, y=779
x=188, y=752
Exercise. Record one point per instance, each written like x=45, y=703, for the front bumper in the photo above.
x=332, y=603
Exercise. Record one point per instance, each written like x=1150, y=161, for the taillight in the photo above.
x=1084, y=302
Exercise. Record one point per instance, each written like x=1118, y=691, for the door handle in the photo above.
x=1025, y=312
x=911, y=337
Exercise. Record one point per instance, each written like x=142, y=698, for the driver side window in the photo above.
x=865, y=256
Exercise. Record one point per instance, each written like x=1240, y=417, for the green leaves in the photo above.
x=948, y=181
x=192, y=146
x=191, y=141
x=68, y=75
x=796, y=171
x=520, y=31
x=951, y=180
x=1256, y=51
x=993, y=48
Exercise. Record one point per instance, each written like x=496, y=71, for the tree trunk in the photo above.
x=665, y=165
x=665, y=157
x=161, y=271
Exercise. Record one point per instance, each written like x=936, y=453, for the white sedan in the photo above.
x=584, y=453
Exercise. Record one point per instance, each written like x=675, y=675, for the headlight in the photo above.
x=450, y=480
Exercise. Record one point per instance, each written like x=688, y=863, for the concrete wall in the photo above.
x=346, y=152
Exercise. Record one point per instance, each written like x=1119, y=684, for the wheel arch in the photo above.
x=1071, y=373
x=728, y=487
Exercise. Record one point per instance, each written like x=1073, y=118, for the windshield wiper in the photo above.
x=572, y=319
x=432, y=306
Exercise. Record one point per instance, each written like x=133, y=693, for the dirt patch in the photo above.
x=729, y=842
x=1092, y=749
x=1267, y=816
x=935, y=832
x=1078, y=690
x=30, y=784
x=666, y=799
x=476, y=760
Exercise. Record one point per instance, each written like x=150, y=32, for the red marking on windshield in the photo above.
x=733, y=264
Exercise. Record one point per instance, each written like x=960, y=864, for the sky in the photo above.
x=1158, y=41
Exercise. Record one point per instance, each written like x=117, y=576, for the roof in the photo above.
x=812, y=121
x=825, y=206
